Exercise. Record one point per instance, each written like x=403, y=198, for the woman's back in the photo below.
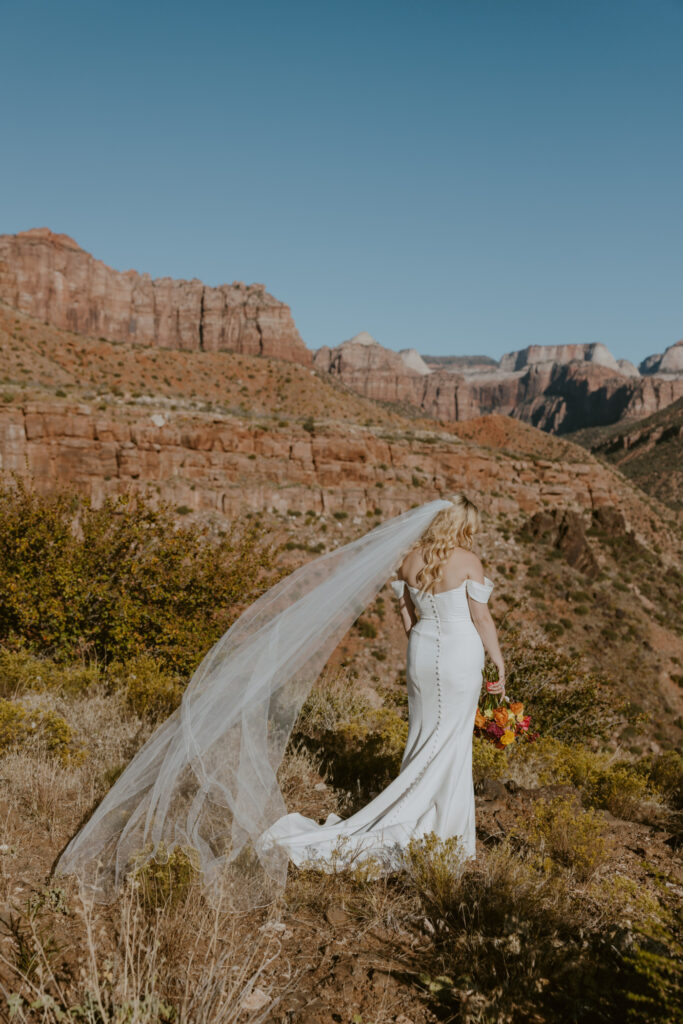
x=460, y=565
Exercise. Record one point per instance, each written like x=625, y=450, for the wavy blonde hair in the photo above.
x=450, y=528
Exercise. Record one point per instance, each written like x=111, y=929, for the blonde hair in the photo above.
x=450, y=528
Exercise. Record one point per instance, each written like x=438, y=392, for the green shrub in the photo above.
x=560, y=830
x=14, y=724
x=487, y=762
x=165, y=879
x=20, y=724
x=21, y=671
x=620, y=787
x=513, y=941
x=433, y=867
x=364, y=753
x=150, y=690
x=366, y=629
x=566, y=700
x=653, y=974
x=121, y=580
x=360, y=747
x=666, y=775
x=336, y=698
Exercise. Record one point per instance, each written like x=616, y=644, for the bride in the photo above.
x=206, y=779
x=443, y=596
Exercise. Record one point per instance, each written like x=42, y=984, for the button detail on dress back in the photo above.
x=434, y=744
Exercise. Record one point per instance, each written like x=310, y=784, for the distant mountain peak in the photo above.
x=361, y=339
x=535, y=355
x=47, y=235
x=414, y=361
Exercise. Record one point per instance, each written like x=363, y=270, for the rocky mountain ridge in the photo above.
x=575, y=387
x=559, y=388
x=50, y=277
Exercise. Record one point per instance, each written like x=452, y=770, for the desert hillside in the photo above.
x=648, y=451
x=220, y=434
x=149, y=492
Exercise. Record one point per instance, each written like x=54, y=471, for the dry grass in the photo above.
x=54, y=795
x=470, y=941
x=195, y=963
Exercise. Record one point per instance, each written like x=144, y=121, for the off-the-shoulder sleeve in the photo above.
x=479, y=591
x=398, y=586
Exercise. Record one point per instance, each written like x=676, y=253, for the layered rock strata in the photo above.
x=222, y=465
x=554, y=396
x=559, y=388
x=50, y=277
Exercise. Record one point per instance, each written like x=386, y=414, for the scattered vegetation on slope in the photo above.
x=119, y=581
x=569, y=911
x=648, y=451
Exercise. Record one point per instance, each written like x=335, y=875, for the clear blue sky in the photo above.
x=457, y=176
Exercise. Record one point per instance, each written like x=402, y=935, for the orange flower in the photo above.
x=500, y=716
x=507, y=737
x=479, y=720
x=516, y=707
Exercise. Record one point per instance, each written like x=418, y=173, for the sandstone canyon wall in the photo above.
x=586, y=388
x=217, y=464
x=559, y=388
x=50, y=277
x=533, y=355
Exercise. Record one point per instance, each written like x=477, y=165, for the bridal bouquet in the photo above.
x=502, y=721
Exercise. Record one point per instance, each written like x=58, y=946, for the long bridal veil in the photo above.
x=207, y=777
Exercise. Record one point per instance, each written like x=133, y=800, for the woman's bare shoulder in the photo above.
x=410, y=565
x=466, y=564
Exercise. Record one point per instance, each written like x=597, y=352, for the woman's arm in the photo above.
x=486, y=628
x=407, y=610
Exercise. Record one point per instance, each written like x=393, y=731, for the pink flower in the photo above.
x=495, y=730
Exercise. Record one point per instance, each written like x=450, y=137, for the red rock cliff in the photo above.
x=50, y=277
x=555, y=396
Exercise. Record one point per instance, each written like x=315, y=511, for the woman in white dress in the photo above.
x=443, y=596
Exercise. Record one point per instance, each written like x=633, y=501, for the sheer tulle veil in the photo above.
x=206, y=778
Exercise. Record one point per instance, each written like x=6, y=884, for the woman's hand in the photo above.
x=498, y=685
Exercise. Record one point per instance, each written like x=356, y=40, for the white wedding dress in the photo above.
x=433, y=791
